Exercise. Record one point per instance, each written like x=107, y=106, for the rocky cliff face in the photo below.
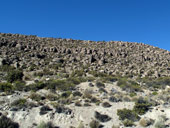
x=114, y=57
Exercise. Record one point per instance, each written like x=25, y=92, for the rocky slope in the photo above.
x=66, y=83
x=114, y=57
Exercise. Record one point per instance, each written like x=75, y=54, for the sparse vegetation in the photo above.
x=6, y=87
x=142, y=106
x=94, y=124
x=127, y=114
x=7, y=123
x=14, y=75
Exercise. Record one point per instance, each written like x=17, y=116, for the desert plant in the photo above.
x=144, y=122
x=127, y=114
x=128, y=123
x=14, y=75
x=6, y=87
x=45, y=110
x=141, y=106
x=7, y=123
x=19, y=85
x=20, y=103
x=36, y=97
x=46, y=125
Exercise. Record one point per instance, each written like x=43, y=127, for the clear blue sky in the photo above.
x=146, y=21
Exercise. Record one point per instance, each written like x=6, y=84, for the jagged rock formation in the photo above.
x=114, y=57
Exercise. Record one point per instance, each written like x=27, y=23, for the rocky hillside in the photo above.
x=65, y=83
x=114, y=57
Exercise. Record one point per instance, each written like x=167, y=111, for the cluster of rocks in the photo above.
x=114, y=57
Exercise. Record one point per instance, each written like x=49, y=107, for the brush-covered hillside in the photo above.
x=66, y=83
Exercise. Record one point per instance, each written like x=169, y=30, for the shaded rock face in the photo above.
x=133, y=59
x=101, y=117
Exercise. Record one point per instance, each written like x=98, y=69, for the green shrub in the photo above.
x=141, y=106
x=127, y=114
x=19, y=85
x=6, y=68
x=19, y=103
x=128, y=85
x=154, y=93
x=128, y=123
x=157, y=83
x=7, y=123
x=45, y=125
x=97, y=74
x=6, y=87
x=14, y=75
x=36, y=86
x=66, y=94
x=36, y=97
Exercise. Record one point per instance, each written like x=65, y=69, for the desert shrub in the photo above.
x=62, y=109
x=94, y=124
x=108, y=78
x=127, y=114
x=77, y=93
x=6, y=68
x=44, y=72
x=46, y=125
x=78, y=103
x=97, y=74
x=128, y=85
x=160, y=122
x=100, y=84
x=36, y=97
x=128, y=123
x=7, y=123
x=14, y=75
x=157, y=83
x=19, y=85
x=20, y=103
x=62, y=85
x=87, y=94
x=106, y=105
x=35, y=86
x=45, y=110
x=90, y=79
x=6, y=87
x=66, y=94
x=52, y=97
x=78, y=73
x=141, y=106
x=154, y=93
x=95, y=100
x=144, y=122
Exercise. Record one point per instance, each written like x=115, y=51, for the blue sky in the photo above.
x=146, y=21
